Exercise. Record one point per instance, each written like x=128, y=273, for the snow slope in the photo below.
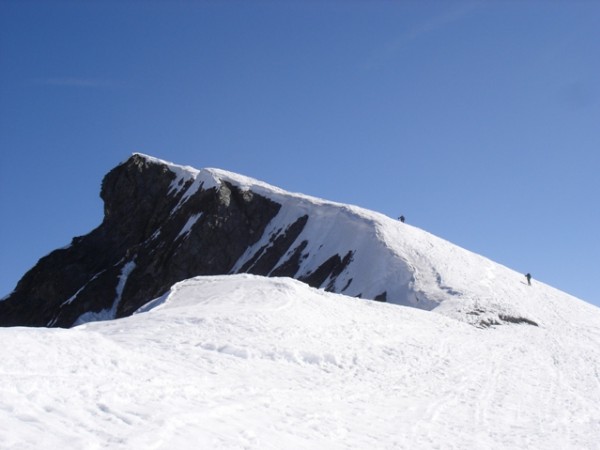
x=240, y=361
x=410, y=266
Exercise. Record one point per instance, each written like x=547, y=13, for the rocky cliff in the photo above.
x=164, y=223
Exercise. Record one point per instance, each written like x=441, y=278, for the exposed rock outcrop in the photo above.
x=162, y=225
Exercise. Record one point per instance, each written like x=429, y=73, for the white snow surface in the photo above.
x=240, y=361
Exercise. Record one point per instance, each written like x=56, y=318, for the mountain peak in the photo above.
x=165, y=223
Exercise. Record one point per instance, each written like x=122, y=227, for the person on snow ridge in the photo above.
x=401, y=219
x=528, y=276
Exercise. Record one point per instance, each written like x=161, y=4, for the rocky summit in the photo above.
x=163, y=223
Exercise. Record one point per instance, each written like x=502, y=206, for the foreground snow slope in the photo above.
x=248, y=362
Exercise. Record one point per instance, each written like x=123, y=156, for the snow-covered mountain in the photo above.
x=217, y=346
x=165, y=223
x=242, y=361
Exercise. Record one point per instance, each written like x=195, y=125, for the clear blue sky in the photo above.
x=479, y=121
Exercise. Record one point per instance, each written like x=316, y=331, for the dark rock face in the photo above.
x=265, y=259
x=156, y=232
x=331, y=268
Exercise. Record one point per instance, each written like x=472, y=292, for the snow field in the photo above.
x=248, y=362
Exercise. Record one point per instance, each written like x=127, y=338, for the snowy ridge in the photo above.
x=387, y=259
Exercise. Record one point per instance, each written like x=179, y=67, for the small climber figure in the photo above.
x=528, y=276
x=401, y=219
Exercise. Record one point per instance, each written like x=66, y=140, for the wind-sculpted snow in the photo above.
x=243, y=361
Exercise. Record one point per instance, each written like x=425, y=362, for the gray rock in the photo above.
x=140, y=240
